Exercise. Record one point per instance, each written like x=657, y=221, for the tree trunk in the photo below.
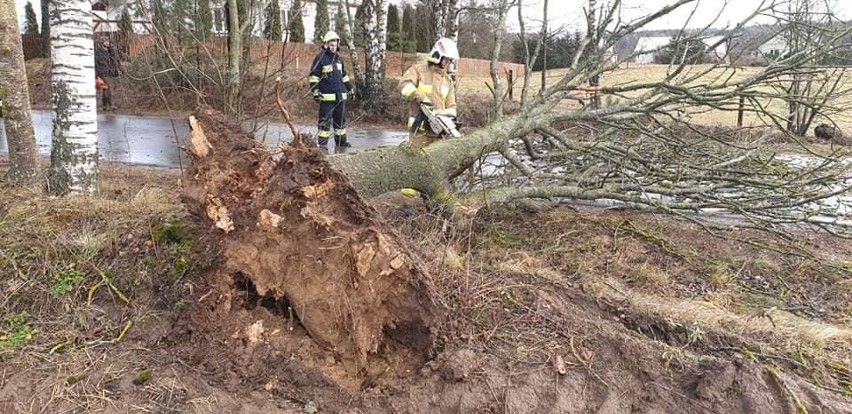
x=374, y=51
x=300, y=233
x=440, y=16
x=452, y=30
x=355, y=62
x=497, y=90
x=235, y=48
x=15, y=99
x=74, y=156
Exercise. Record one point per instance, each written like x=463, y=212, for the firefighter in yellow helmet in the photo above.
x=429, y=83
x=330, y=87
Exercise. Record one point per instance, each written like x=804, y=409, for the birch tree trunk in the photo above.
x=354, y=61
x=440, y=19
x=452, y=30
x=74, y=157
x=497, y=90
x=15, y=98
x=375, y=26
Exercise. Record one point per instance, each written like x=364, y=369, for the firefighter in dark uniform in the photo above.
x=330, y=86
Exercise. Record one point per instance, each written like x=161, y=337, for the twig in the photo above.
x=585, y=363
x=284, y=110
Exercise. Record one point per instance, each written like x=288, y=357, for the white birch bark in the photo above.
x=375, y=25
x=440, y=12
x=452, y=30
x=74, y=157
x=497, y=90
x=355, y=62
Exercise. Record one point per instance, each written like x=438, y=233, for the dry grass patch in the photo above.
x=81, y=271
x=630, y=74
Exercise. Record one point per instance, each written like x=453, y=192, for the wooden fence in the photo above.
x=31, y=43
x=298, y=56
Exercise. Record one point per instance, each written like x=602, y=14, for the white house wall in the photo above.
x=647, y=48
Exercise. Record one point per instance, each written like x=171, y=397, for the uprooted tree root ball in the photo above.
x=295, y=227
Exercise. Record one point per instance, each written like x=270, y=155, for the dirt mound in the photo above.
x=298, y=234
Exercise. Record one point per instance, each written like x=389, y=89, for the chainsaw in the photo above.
x=440, y=125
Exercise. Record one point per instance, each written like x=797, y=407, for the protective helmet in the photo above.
x=331, y=35
x=444, y=48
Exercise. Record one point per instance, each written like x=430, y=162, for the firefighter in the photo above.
x=429, y=83
x=106, y=67
x=330, y=87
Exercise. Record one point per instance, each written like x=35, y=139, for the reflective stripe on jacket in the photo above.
x=328, y=78
x=433, y=84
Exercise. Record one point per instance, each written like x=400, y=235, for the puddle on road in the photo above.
x=154, y=140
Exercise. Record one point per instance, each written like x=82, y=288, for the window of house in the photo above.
x=219, y=20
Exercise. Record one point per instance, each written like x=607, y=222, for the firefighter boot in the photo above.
x=323, y=144
x=340, y=141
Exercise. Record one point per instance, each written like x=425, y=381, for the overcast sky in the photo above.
x=700, y=13
x=569, y=13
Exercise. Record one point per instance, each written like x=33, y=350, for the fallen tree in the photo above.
x=296, y=226
x=644, y=147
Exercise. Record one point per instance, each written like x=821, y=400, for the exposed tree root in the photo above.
x=298, y=230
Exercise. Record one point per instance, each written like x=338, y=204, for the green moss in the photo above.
x=66, y=281
x=143, y=376
x=170, y=234
x=19, y=333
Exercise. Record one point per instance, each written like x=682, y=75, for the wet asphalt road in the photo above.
x=154, y=140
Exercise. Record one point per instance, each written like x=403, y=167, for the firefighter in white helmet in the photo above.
x=429, y=83
x=330, y=87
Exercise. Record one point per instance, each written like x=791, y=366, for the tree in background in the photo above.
x=74, y=152
x=341, y=23
x=14, y=99
x=358, y=26
x=31, y=19
x=375, y=49
x=476, y=34
x=203, y=19
x=45, y=28
x=346, y=22
x=272, y=21
x=682, y=50
x=321, y=21
x=394, y=33
x=296, y=26
x=125, y=30
x=423, y=27
x=408, y=29
x=560, y=50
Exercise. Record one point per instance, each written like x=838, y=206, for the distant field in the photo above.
x=633, y=74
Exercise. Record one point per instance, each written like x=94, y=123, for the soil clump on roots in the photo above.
x=295, y=233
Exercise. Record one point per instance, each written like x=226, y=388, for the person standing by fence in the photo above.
x=330, y=87
x=106, y=67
